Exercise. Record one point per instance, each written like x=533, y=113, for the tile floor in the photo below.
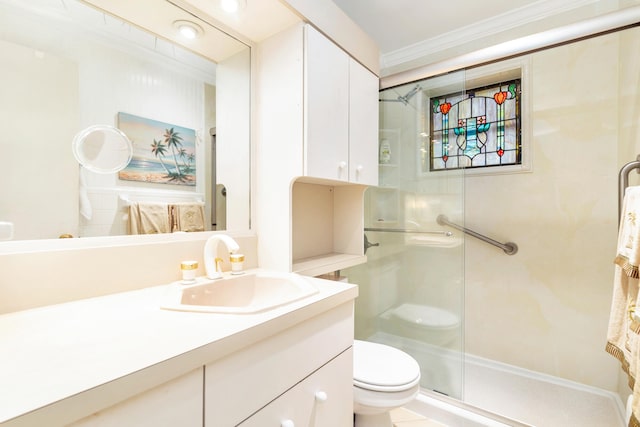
x=405, y=418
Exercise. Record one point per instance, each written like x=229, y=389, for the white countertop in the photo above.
x=86, y=355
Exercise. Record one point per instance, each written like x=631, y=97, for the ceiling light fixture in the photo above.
x=188, y=30
x=232, y=6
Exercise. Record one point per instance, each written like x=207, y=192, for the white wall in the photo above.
x=38, y=115
x=549, y=304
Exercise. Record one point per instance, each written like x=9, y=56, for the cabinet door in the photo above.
x=326, y=112
x=175, y=403
x=323, y=399
x=363, y=125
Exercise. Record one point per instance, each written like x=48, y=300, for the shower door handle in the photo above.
x=368, y=244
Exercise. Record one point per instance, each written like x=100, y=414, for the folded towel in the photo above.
x=149, y=218
x=622, y=334
x=187, y=217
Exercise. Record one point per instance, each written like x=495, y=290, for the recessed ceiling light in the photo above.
x=188, y=30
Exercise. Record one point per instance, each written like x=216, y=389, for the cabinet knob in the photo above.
x=342, y=165
x=321, y=396
x=287, y=423
x=359, y=169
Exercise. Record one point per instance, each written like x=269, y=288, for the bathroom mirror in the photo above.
x=70, y=69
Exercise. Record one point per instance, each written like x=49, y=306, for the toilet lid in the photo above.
x=380, y=367
x=433, y=317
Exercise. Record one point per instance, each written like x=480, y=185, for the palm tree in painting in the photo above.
x=183, y=154
x=159, y=149
x=188, y=161
x=174, y=142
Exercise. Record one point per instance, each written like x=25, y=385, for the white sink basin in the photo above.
x=242, y=294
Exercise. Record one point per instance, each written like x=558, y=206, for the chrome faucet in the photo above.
x=212, y=262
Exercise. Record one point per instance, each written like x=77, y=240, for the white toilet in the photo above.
x=384, y=378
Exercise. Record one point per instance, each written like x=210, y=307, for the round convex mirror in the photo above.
x=102, y=149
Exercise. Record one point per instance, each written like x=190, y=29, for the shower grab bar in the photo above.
x=509, y=248
x=623, y=182
x=405, y=230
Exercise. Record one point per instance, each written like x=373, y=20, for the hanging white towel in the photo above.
x=628, y=252
x=622, y=334
x=85, y=203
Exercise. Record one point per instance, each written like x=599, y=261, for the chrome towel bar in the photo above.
x=509, y=248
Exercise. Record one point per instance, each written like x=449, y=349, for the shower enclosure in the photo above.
x=518, y=337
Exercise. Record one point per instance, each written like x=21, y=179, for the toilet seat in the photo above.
x=380, y=367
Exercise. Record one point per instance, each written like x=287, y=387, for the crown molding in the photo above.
x=613, y=21
x=512, y=19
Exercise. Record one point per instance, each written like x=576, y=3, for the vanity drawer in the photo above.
x=241, y=384
x=325, y=398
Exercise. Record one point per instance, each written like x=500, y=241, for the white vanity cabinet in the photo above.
x=175, y=403
x=303, y=374
x=341, y=114
x=322, y=399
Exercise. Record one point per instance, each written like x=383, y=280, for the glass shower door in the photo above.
x=412, y=287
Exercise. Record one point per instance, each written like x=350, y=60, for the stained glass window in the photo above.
x=477, y=128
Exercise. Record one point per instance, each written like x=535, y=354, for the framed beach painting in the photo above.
x=162, y=153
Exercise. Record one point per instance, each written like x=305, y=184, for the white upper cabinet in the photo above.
x=341, y=114
x=363, y=125
x=317, y=124
x=327, y=113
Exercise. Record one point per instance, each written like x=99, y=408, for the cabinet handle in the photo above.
x=287, y=423
x=321, y=396
x=359, y=169
x=342, y=165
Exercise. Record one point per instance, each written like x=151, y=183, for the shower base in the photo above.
x=497, y=394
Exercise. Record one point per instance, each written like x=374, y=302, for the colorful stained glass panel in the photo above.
x=480, y=128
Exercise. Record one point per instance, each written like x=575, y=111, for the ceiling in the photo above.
x=249, y=21
x=400, y=23
x=408, y=29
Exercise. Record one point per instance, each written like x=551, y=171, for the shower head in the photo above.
x=404, y=99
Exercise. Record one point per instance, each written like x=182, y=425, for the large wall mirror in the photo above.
x=177, y=87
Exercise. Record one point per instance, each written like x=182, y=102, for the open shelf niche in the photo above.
x=327, y=226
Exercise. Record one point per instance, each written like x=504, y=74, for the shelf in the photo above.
x=433, y=241
x=322, y=264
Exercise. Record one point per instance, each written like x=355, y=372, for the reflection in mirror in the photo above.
x=69, y=67
x=102, y=149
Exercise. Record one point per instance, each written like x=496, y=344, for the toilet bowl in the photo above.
x=425, y=323
x=384, y=378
